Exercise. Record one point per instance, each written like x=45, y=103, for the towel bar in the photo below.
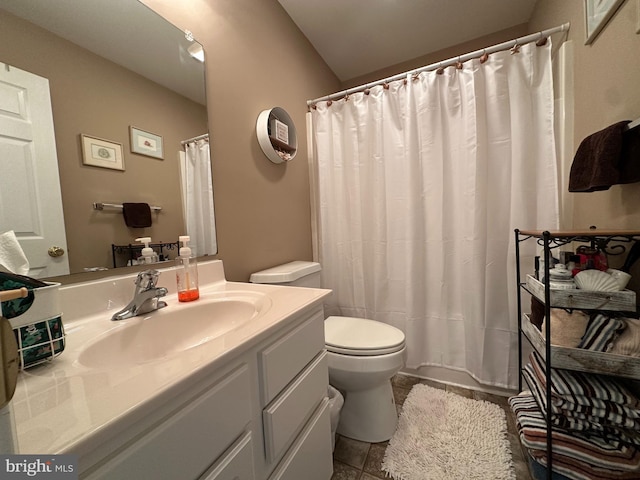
x=102, y=206
x=633, y=124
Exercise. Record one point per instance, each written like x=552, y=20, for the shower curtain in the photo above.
x=197, y=197
x=418, y=186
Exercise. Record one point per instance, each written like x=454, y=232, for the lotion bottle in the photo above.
x=186, y=272
x=148, y=254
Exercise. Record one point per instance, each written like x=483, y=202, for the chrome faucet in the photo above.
x=145, y=298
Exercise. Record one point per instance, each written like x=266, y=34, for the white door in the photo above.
x=30, y=199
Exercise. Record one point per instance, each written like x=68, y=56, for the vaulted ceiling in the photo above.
x=357, y=37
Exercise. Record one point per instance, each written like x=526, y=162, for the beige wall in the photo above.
x=440, y=55
x=607, y=90
x=256, y=59
x=86, y=97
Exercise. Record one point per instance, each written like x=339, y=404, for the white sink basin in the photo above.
x=173, y=329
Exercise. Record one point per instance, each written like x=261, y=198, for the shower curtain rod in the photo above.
x=446, y=63
x=199, y=137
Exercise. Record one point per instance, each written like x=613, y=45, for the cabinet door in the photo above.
x=310, y=457
x=184, y=445
x=281, y=361
x=236, y=464
x=287, y=414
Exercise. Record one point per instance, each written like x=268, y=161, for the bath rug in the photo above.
x=443, y=436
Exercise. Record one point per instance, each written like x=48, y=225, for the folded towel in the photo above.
x=628, y=342
x=12, y=257
x=630, y=156
x=609, y=429
x=566, y=328
x=578, y=456
x=601, y=332
x=137, y=215
x=588, y=394
x=596, y=165
x=592, y=449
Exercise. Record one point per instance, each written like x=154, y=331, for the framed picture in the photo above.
x=597, y=14
x=98, y=152
x=146, y=143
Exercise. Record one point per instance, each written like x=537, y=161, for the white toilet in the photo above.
x=363, y=355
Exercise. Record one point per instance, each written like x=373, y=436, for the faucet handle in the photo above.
x=147, y=279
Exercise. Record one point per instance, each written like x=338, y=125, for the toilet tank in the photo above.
x=296, y=274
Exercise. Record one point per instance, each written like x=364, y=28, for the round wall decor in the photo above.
x=277, y=135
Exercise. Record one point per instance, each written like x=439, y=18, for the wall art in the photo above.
x=98, y=152
x=146, y=143
x=597, y=14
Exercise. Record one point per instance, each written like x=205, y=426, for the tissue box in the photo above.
x=37, y=323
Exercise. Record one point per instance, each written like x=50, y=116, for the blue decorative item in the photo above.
x=40, y=342
x=36, y=319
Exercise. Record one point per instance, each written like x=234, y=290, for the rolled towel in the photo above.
x=12, y=257
x=628, y=342
x=137, y=215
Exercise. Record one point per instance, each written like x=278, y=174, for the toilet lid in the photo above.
x=359, y=336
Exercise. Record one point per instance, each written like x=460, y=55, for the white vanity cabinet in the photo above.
x=264, y=415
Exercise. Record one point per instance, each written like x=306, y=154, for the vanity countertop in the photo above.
x=64, y=406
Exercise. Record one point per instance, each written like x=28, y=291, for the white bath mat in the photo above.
x=443, y=436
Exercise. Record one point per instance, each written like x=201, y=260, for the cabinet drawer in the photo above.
x=285, y=358
x=236, y=464
x=286, y=415
x=310, y=457
x=184, y=445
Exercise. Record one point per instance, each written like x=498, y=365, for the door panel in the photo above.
x=30, y=198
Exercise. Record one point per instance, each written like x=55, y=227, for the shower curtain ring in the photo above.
x=541, y=41
x=459, y=64
x=485, y=56
x=440, y=69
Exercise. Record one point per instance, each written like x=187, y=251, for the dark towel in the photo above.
x=630, y=156
x=137, y=215
x=603, y=160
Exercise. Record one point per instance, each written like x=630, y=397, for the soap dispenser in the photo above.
x=186, y=272
x=148, y=254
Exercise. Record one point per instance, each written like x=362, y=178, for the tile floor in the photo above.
x=355, y=460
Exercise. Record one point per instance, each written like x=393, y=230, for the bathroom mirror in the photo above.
x=112, y=66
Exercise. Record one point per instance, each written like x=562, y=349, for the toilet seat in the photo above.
x=361, y=337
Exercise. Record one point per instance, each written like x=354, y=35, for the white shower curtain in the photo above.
x=418, y=189
x=197, y=197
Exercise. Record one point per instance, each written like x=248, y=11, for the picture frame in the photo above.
x=281, y=131
x=146, y=143
x=98, y=152
x=597, y=15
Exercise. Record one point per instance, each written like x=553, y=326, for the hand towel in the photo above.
x=596, y=165
x=12, y=257
x=630, y=156
x=137, y=215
